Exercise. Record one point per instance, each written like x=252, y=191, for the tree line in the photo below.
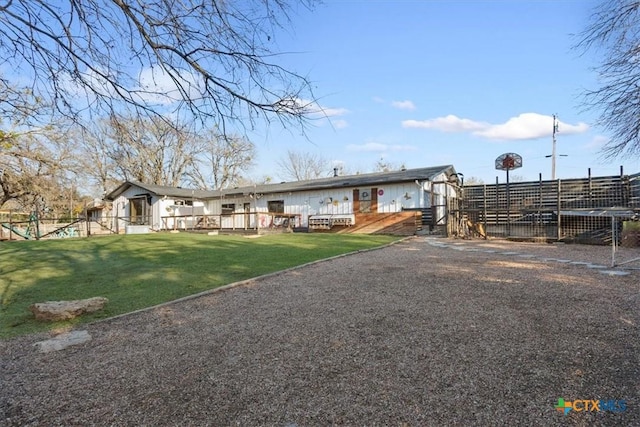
x=51, y=167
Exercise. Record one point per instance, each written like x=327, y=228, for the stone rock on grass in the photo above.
x=63, y=341
x=54, y=311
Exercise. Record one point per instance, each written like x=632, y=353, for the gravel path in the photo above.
x=411, y=334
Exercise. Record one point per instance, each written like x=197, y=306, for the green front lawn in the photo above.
x=137, y=271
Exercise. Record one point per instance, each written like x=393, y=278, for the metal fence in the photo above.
x=580, y=210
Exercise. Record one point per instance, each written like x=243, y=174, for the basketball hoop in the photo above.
x=508, y=161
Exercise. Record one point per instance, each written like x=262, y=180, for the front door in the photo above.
x=356, y=201
x=139, y=211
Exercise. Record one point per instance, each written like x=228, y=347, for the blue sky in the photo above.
x=423, y=83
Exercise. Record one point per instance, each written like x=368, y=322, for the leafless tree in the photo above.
x=614, y=34
x=35, y=162
x=473, y=180
x=216, y=60
x=299, y=166
x=222, y=161
x=95, y=157
x=34, y=169
x=383, y=165
x=151, y=150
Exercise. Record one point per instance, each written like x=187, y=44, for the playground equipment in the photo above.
x=69, y=230
x=33, y=229
x=29, y=232
x=20, y=232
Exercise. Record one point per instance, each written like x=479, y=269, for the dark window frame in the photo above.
x=275, y=206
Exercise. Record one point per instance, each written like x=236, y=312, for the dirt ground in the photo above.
x=423, y=332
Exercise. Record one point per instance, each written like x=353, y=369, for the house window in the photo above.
x=228, y=208
x=276, y=206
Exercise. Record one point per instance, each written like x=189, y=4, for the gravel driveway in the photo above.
x=410, y=334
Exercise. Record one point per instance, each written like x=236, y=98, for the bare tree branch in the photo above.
x=214, y=60
x=222, y=161
x=297, y=166
x=614, y=33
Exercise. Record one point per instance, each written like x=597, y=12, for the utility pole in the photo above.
x=553, y=151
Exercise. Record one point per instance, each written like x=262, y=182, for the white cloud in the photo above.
x=447, y=124
x=321, y=113
x=523, y=127
x=318, y=110
x=378, y=100
x=378, y=147
x=529, y=126
x=568, y=129
x=403, y=105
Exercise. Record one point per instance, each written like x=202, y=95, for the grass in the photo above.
x=631, y=225
x=137, y=271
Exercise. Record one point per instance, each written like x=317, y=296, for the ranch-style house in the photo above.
x=397, y=201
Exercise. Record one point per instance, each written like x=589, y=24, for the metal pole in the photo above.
x=37, y=217
x=460, y=202
x=558, y=199
x=508, y=206
x=447, y=223
x=613, y=241
x=484, y=219
x=497, y=206
x=118, y=205
x=86, y=219
x=539, y=220
x=588, y=220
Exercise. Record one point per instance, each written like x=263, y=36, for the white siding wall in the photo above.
x=122, y=208
x=394, y=198
x=119, y=208
x=172, y=216
x=391, y=198
x=158, y=209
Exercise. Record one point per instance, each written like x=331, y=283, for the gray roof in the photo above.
x=360, y=180
x=162, y=190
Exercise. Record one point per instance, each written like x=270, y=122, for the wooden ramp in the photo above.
x=400, y=223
